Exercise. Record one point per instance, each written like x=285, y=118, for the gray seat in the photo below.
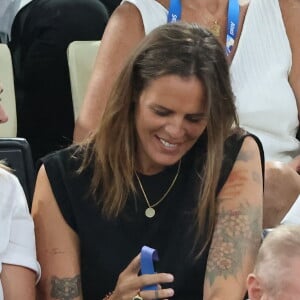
x=16, y=153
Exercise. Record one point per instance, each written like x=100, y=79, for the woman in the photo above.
x=164, y=169
x=19, y=268
x=264, y=65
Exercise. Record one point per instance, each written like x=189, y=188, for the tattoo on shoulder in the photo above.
x=65, y=288
x=237, y=235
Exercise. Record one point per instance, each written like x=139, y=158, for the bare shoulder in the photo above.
x=42, y=185
x=244, y=183
x=249, y=150
x=123, y=32
x=291, y=16
x=57, y=245
x=44, y=203
x=249, y=161
x=126, y=19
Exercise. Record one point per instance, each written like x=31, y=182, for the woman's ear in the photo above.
x=255, y=290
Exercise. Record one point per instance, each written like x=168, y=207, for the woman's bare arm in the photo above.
x=18, y=282
x=57, y=246
x=282, y=181
x=123, y=32
x=291, y=12
x=238, y=228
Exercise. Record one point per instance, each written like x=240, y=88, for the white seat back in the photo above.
x=8, y=129
x=81, y=59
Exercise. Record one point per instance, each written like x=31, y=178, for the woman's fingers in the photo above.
x=130, y=283
x=157, y=294
x=156, y=278
x=134, y=266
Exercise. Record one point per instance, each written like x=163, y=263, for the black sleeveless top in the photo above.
x=107, y=246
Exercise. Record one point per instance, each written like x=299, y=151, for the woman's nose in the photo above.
x=175, y=129
x=3, y=115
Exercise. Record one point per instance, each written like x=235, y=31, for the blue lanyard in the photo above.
x=174, y=15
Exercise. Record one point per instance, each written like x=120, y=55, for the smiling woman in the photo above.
x=169, y=121
x=169, y=168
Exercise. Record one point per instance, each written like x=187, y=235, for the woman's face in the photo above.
x=3, y=115
x=170, y=117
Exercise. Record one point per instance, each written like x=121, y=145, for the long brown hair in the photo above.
x=171, y=49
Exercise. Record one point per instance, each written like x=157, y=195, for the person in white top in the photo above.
x=265, y=71
x=277, y=268
x=19, y=269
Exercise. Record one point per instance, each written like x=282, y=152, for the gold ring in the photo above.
x=137, y=297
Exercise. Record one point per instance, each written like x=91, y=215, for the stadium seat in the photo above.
x=16, y=153
x=81, y=58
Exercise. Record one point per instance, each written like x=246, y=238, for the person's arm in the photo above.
x=238, y=227
x=282, y=187
x=20, y=269
x=57, y=246
x=18, y=282
x=282, y=184
x=291, y=12
x=123, y=32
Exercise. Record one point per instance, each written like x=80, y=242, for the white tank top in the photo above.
x=265, y=101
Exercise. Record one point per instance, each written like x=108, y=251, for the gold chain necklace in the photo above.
x=212, y=25
x=150, y=211
x=215, y=28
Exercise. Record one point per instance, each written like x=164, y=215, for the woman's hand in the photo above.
x=130, y=283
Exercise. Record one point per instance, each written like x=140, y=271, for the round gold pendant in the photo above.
x=150, y=212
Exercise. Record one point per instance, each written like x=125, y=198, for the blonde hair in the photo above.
x=171, y=49
x=4, y=166
x=276, y=255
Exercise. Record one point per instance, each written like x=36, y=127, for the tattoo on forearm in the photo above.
x=237, y=234
x=65, y=288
